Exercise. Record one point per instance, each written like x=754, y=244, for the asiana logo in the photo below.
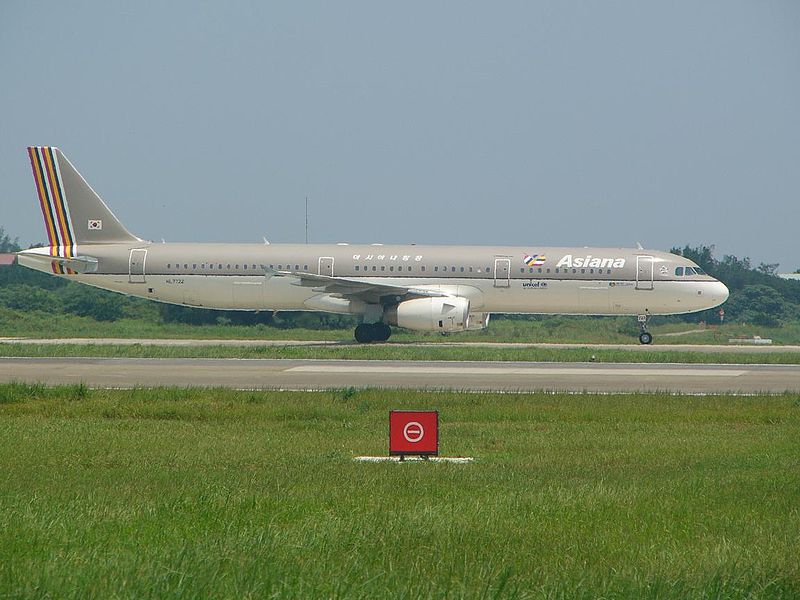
x=590, y=261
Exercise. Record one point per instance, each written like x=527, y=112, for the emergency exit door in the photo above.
x=502, y=272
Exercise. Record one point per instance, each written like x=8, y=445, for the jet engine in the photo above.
x=430, y=314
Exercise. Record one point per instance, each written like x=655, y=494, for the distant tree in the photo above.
x=85, y=301
x=760, y=305
x=768, y=268
x=28, y=297
x=7, y=244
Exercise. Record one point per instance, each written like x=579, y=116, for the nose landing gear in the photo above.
x=645, y=337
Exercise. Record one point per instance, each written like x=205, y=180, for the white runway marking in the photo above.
x=444, y=370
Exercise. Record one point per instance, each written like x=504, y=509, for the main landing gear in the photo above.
x=645, y=337
x=372, y=332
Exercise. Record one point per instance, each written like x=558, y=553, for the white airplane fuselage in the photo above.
x=493, y=279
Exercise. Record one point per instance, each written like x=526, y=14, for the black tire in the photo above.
x=364, y=333
x=645, y=337
x=382, y=332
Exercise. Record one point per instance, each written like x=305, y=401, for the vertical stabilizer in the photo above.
x=73, y=213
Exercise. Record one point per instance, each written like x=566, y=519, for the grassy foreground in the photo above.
x=173, y=493
x=404, y=352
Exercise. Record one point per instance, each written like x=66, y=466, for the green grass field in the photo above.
x=402, y=352
x=171, y=493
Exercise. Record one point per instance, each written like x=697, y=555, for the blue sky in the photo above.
x=529, y=123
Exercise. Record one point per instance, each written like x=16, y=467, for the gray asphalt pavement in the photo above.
x=472, y=376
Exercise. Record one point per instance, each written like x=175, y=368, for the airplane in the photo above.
x=417, y=287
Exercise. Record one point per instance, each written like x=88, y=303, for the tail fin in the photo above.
x=73, y=213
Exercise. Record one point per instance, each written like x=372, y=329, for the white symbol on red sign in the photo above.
x=413, y=432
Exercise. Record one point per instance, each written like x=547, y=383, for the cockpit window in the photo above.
x=679, y=271
x=699, y=271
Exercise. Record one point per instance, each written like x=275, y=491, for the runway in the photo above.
x=468, y=376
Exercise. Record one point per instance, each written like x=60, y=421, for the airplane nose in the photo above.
x=720, y=292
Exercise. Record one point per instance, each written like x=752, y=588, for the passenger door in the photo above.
x=644, y=272
x=136, y=264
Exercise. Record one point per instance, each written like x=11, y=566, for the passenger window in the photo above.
x=522, y=270
x=462, y=269
x=436, y=269
x=185, y=265
x=219, y=266
x=383, y=268
x=391, y=268
x=357, y=267
x=305, y=268
x=194, y=265
x=470, y=269
x=453, y=269
x=228, y=266
x=245, y=267
x=374, y=268
x=679, y=271
x=409, y=269
x=423, y=268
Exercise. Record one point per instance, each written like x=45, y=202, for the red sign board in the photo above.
x=413, y=432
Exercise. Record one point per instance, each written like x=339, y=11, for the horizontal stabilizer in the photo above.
x=37, y=258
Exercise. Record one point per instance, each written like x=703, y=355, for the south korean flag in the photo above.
x=95, y=225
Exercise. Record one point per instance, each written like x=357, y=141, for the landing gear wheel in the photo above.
x=382, y=332
x=372, y=332
x=364, y=333
x=645, y=337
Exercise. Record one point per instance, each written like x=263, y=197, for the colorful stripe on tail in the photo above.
x=53, y=202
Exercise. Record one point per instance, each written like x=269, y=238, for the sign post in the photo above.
x=413, y=432
x=414, y=436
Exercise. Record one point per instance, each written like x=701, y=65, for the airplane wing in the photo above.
x=372, y=293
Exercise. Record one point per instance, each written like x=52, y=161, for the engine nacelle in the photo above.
x=431, y=314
